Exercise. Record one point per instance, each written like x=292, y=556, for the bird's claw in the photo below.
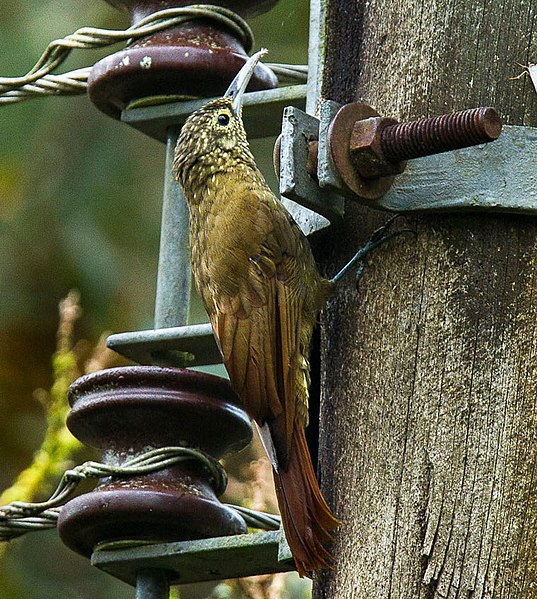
x=380, y=233
x=380, y=236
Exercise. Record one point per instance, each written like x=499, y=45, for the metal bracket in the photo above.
x=326, y=174
x=261, y=112
x=496, y=176
x=200, y=560
x=186, y=346
x=299, y=130
x=499, y=176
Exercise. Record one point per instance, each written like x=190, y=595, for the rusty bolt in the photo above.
x=440, y=134
x=367, y=150
x=380, y=145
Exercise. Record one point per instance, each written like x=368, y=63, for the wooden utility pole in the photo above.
x=429, y=373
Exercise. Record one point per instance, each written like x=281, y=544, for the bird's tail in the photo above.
x=307, y=519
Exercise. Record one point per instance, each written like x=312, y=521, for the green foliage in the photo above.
x=59, y=447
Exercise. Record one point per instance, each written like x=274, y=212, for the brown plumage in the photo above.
x=255, y=272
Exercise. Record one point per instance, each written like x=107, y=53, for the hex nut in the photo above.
x=366, y=148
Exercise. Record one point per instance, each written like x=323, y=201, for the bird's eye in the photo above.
x=223, y=119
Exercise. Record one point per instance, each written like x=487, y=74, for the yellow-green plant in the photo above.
x=59, y=448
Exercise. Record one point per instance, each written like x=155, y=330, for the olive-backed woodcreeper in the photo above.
x=255, y=272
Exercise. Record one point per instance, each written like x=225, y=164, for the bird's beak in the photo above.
x=240, y=83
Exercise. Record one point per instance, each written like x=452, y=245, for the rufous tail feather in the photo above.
x=307, y=519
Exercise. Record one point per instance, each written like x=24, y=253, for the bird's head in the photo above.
x=213, y=138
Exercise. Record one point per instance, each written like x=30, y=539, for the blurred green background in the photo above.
x=76, y=211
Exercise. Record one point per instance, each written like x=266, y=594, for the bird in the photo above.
x=255, y=272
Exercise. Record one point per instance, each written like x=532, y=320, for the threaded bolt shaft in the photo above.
x=424, y=137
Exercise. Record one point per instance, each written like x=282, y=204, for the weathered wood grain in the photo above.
x=429, y=377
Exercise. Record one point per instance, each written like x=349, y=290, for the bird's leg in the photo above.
x=380, y=236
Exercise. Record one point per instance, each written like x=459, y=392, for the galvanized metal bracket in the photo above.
x=261, y=112
x=497, y=176
x=299, y=130
x=186, y=346
x=201, y=560
x=500, y=176
x=326, y=174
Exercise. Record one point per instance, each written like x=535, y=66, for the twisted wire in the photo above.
x=256, y=519
x=39, y=81
x=289, y=73
x=20, y=517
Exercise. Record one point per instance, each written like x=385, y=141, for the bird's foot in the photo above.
x=380, y=236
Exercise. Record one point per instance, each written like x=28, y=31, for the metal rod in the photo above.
x=152, y=584
x=437, y=134
x=174, y=271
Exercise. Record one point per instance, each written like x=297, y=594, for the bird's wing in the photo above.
x=257, y=321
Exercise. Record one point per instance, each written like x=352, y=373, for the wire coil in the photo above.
x=40, y=81
x=20, y=517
